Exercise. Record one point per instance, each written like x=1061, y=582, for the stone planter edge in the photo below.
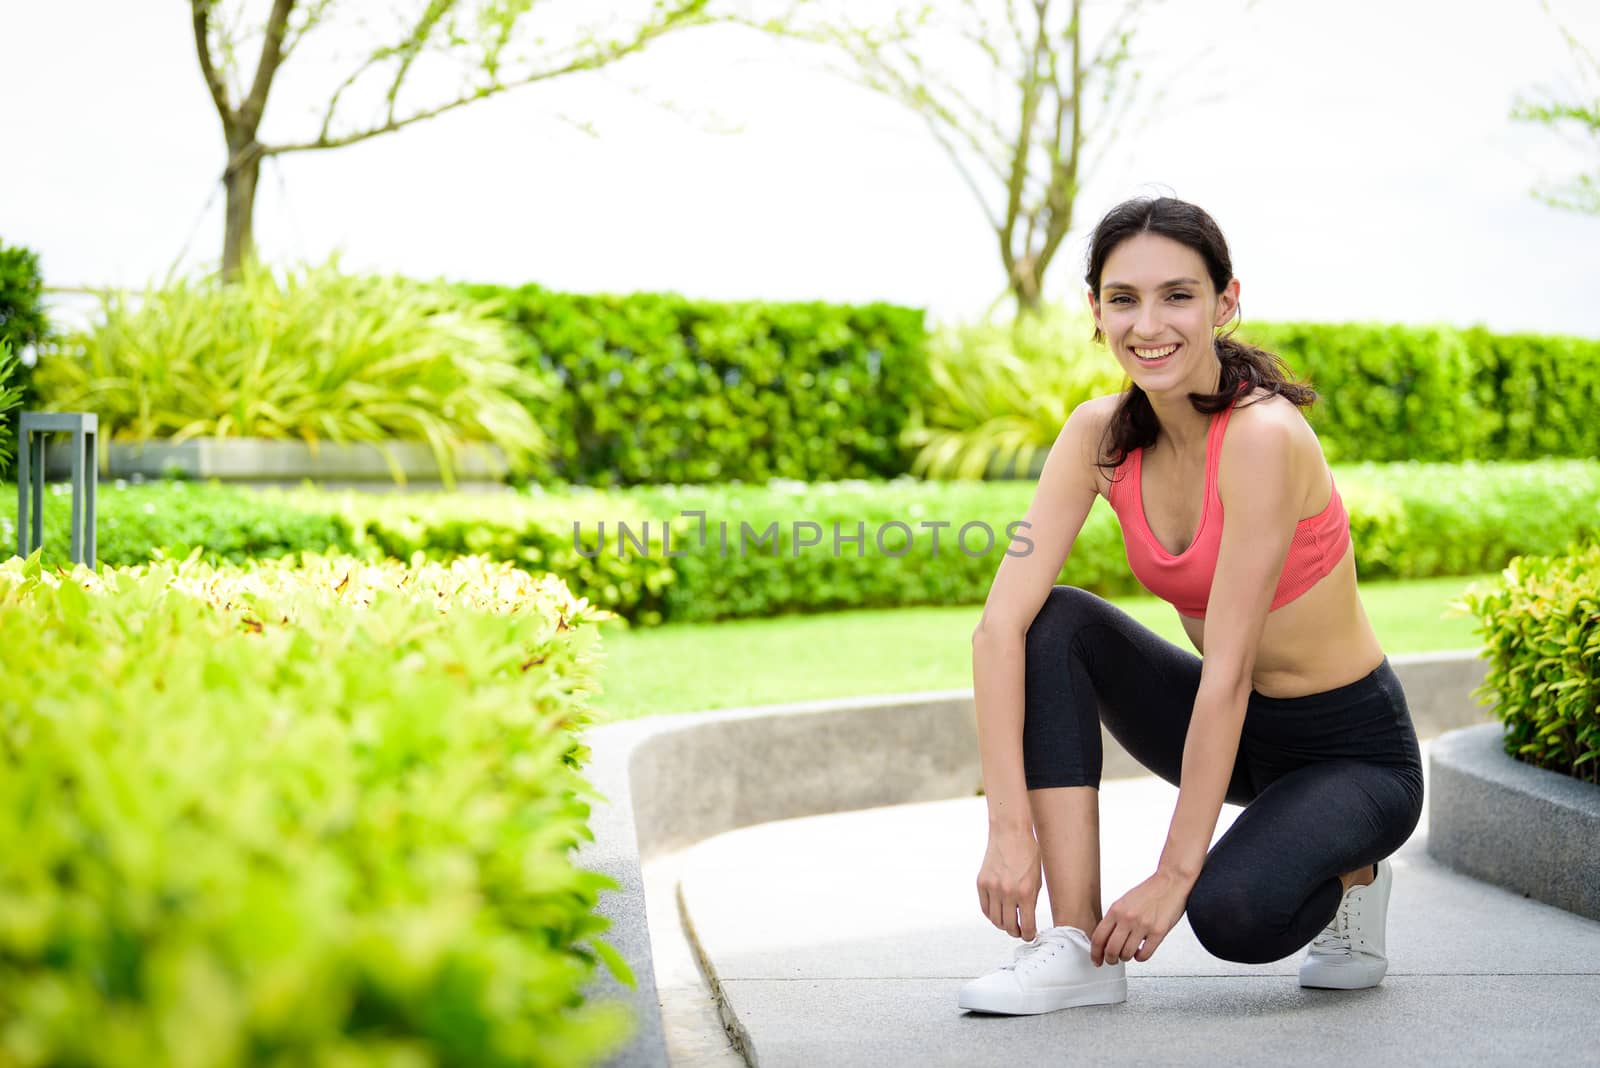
x=264, y=459
x=1533, y=831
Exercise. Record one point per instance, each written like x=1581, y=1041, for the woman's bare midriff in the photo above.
x=1319, y=641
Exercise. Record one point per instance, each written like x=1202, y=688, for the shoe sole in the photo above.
x=1105, y=992
x=1333, y=978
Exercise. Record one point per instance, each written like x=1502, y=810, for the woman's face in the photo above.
x=1156, y=301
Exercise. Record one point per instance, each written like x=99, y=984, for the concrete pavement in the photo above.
x=842, y=939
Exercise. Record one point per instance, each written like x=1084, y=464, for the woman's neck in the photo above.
x=1182, y=429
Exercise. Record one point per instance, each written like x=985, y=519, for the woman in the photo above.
x=1229, y=511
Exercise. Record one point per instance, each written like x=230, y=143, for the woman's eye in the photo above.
x=1121, y=300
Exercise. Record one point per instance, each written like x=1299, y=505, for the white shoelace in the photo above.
x=1029, y=951
x=1335, y=938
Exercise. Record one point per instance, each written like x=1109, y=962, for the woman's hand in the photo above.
x=1009, y=881
x=1143, y=915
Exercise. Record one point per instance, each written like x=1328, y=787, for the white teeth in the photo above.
x=1155, y=354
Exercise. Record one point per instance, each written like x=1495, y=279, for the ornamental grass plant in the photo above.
x=1002, y=391
x=313, y=355
x=318, y=811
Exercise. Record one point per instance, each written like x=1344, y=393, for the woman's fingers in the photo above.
x=1121, y=945
x=1013, y=928
x=993, y=909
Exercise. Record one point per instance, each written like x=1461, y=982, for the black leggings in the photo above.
x=1332, y=781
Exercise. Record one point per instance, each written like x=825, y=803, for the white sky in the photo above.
x=1358, y=156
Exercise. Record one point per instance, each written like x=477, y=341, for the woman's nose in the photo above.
x=1146, y=325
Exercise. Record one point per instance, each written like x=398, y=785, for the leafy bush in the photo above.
x=1415, y=520
x=1443, y=394
x=1001, y=392
x=228, y=525
x=10, y=403
x=662, y=389
x=1408, y=520
x=1386, y=392
x=1542, y=631
x=23, y=325
x=313, y=813
x=319, y=354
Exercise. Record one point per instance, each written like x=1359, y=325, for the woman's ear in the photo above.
x=1094, y=309
x=1227, y=302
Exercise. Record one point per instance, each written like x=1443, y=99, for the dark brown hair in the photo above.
x=1133, y=425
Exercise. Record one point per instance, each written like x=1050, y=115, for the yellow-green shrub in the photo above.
x=313, y=814
x=1542, y=629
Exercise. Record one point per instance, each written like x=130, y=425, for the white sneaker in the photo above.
x=1349, y=953
x=1051, y=972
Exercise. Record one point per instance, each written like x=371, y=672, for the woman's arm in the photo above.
x=997, y=662
x=1260, y=487
x=1009, y=878
x=1027, y=573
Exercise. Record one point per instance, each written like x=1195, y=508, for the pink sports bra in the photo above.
x=1185, y=580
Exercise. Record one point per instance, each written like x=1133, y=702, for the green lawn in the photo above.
x=691, y=667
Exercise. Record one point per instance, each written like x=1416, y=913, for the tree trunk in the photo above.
x=238, y=236
x=1027, y=287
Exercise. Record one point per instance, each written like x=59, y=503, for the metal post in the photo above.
x=36, y=487
x=91, y=458
x=31, y=430
x=24, y=498
x=76, y=537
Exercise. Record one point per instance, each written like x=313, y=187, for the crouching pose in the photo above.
x=1229, y=511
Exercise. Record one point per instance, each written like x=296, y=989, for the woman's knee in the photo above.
x=1065, y=609
x=1232, y=921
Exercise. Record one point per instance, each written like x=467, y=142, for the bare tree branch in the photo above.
x=691, y=11
x=255, y=104
x=412, y=46
x=310, y=16
x=201, y=11
x=1060, y=88
x=1023, y=144
x=1582, y=192
x=437, y=30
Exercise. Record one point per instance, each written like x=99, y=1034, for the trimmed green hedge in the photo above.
x=1409, y=520
x=1393, y=392
x=228, y=524
x=10, y=404
x=1542, y=631
x=313, y=814
x=23, y=324
x=663, y=389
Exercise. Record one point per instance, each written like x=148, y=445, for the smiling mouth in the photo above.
x=1155, y=355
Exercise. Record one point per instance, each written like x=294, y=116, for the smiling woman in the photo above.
x=1294, y=712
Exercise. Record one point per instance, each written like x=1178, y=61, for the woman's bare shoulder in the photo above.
x=1265, y=406
x=1099, y=410
x=1102, y=408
